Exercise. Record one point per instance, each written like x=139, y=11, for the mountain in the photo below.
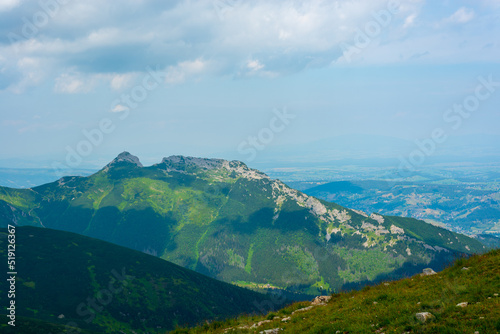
x=235, y=224
x=462, y=299
x=64, y=279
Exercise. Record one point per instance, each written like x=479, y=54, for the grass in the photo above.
x=391, y=307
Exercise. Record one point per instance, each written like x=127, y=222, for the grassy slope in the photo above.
x=391, y=307
x=57, y=271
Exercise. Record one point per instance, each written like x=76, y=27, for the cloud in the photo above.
x=71, y=84
x=410, y=20
x=7, y=5
x=184, y=70
x=462, y=15
x=82, y=45
x=119, y=108
x=120, y=81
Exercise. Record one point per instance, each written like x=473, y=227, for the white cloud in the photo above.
x=70, y=84
x=410, y=20
x=119, y=108
x=6, y=5
x=462, y=15
x=120, y=81
x=184, y=70
x=190, y=39
x=254, y=65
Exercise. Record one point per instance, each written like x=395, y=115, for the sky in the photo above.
x=81, y=81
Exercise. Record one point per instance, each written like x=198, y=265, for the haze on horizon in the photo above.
x=204, y=77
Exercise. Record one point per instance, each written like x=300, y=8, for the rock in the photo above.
x=386, y=284
x=260, y=323
x=321, y=300
x=271, y=331
x=464, y=304
x=286, y=319
x=61, y=316
x=428, y=272
x=303, y=309
x=424, y=316
x=495, y=294
x=465, y=268
x=127, y=157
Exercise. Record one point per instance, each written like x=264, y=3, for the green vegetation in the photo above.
x=248, y=265
x=392, y=307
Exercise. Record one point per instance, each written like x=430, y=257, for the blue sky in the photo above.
x=204, y=77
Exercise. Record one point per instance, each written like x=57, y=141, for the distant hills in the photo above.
x=235, y=224
x=71, y=282
x=472, y=206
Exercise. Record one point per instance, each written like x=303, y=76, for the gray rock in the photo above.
x=321, y=300
x=424, y=316
x=428, y=272
x=271, y=331
x=127, y=157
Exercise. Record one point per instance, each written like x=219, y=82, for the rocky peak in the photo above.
x=126, y=157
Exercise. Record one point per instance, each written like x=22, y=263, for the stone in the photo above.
x=428, y=272
x=303, y=309
x=424, y=316
x=464, y=304
x=271, y=331
x=321, y=300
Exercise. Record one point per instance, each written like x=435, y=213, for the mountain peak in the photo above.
x=126, y=157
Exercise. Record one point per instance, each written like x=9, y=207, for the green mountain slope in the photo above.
x=234, y=223
x=70, y=280
x=464, y=298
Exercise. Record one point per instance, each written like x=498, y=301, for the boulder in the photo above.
x=321, y=300
x=428, y=272
x=271, y=331
x=424, y=316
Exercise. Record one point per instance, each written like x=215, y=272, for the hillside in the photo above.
x=461, y=299
x=65, y=279
x=235, y=224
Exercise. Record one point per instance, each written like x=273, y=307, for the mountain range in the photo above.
x=233, y=223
